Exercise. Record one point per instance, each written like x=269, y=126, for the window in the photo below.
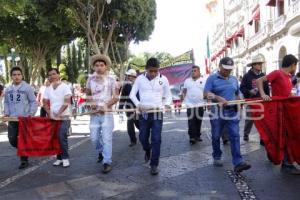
x=256, y=26
x=280, y=7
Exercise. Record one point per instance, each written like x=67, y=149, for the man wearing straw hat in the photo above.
x=193, y=95
x=222, y=87
x=154, y=94
x=102, y=94
x=250, y=90
x=125, y=102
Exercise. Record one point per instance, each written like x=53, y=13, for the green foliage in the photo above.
x=63, y=71
x=82, y=78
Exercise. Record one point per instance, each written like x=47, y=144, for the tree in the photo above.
x=42, y=29
x=74, y=62
x=63, y=71
x=79, y=59
x=69, y=67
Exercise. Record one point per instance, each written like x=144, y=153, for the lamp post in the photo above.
x=89, y=9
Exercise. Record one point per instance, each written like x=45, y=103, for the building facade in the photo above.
x=250, y=27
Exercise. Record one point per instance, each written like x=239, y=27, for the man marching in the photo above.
x=19, y=101
x=102, y=94
x=221, y=87
x=58, y=96
x=154, y=93
x=193, y=95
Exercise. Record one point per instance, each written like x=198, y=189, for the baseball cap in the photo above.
x=227, y=63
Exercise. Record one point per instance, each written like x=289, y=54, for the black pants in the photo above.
x=43, y=112
x=195, y=116
x=13, y=128
x=132, y=122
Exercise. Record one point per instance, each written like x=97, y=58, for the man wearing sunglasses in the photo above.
x=155, y=94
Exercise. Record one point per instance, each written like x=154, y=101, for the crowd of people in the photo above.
x=144, y=98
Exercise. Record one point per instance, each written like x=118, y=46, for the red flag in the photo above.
x=38, y=136
x=206, y=66
x=270, y=128
x=277, y=127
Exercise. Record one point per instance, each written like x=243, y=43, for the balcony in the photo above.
x=258, y=37
x=279, y=24
x=293, y=10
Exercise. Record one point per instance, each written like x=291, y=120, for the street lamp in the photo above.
x=13, y=57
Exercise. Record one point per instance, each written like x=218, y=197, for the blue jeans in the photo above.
x=229, y=119
x=101, y=128
x=63, y=139
x=151, y=123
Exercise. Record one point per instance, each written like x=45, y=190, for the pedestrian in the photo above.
x=155, y=93
x=250, y=90
x=126, y=102
x=19, y=101
x=102, y=94
x=222, y=87
x=57, y=104
x=193, y=96
x=297, y=86
x=281, y=85
x=40, y=97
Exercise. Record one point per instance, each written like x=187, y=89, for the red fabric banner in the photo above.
x=276, y=121
x=38, y=136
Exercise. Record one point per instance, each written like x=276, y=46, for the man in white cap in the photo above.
x=126, y=102
x=222, y=87
x=250, y=90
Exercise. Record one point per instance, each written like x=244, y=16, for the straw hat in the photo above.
x=131, y=72
x=100, y=57
x=256, y=59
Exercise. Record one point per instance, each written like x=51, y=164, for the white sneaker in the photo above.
x=65, y=162
x=57, y=162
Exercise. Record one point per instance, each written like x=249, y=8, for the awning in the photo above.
x=255, y=16
x=271, y=3
x=241, y=32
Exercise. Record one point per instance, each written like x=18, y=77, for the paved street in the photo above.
x=186, y=172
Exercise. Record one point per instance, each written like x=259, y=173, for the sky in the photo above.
x=181, y=25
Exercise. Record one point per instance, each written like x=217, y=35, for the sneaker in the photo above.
x=66, y=163
x=199, y=139
x=241, y=167
x=290, y=170
x=192, y=141
x=261, y=143
x=58, y=162
x=154, y=170
x=218, y=163
x=100, y=158
x=246, y=138
x=106, y=168
x=225, y=141
x=132, y=144
x=147, y=156
x=23, y=165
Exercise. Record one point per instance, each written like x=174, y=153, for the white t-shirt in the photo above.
x=153, y=93
x=57, y=98
x=194, y=91
x=102, y=90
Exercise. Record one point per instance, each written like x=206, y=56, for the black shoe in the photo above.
x=246, y=138
x=199, y=139
x=290, y=169
x=192, y=141
x=23, y=165
x=241, y=167
x=106, y=168
x=147, y=156
x=100, y=157
x=154, y=170
x=132, y=144
x=261, y=143
x=225, y=142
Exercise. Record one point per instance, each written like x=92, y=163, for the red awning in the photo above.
x=271, y=3
x=255, y=16
x=241, y=32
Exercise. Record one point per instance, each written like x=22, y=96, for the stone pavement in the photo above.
x=186, y=172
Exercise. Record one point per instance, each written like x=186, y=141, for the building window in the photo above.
x=256, y=26
x=280, y=7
